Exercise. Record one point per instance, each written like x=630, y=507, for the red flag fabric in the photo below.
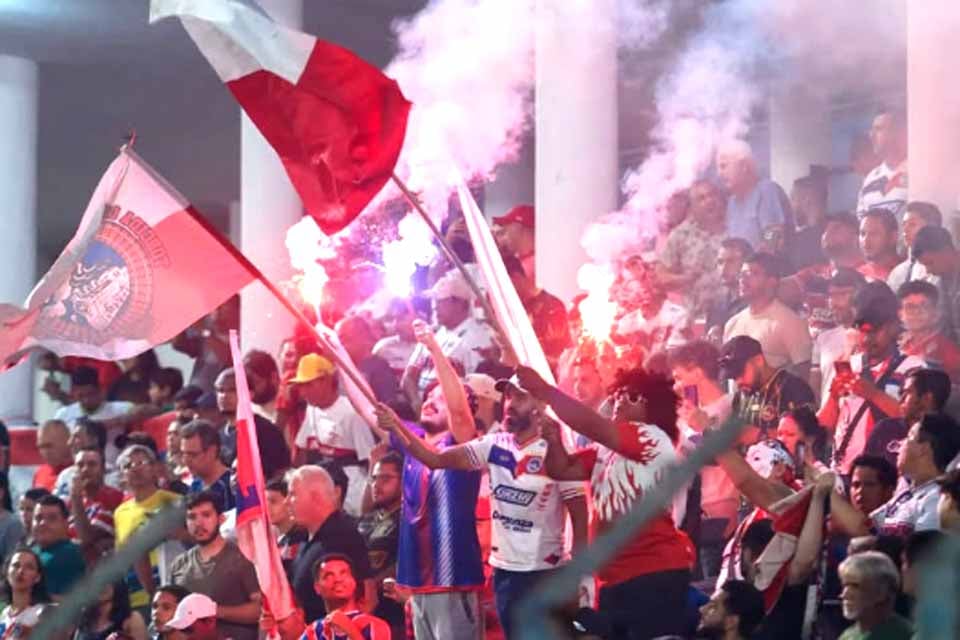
x=336, y=121
x=254, y=535
x=773, y=565
x=140, y=269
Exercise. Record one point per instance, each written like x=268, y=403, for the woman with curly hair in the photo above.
x=643, y=588
x=25, y=591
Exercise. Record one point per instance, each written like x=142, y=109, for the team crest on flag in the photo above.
x=110, y=291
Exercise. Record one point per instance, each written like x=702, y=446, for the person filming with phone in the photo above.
x=866, y=389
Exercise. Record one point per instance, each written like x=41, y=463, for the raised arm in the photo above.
x=571, y=411
x=810, y=542
x=559, y=464
x=450, y=458
x=755, y=488
x=460, y=418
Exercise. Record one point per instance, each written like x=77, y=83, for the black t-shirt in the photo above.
x=885, y=439
x=804, y=248
x=381, y=531
x=764, y=407
x=785, y=621
x=274, y=453
x=337, y=535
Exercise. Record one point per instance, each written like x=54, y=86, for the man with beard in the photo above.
x=528, y=506
x=439, y=553
x=764, y=393
x=871, y=583
x=785, y=336
x=733, y=613
x=335, y=583
x=867, y=388
x=92, y=503
x=274, y=454
x=263, y=378
x=878, y=241
x=217, y=568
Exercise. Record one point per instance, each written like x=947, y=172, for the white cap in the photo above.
x=193, y=607
x=482, y=385
x=451, y=285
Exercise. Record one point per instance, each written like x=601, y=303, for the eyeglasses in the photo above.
x=130, y=466
x=384, y=476
x=633, y=397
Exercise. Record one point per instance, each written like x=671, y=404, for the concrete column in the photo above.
x=576, y=132
x=18, y=193
x=799, y=134
x=933, y=105
x=268, y=207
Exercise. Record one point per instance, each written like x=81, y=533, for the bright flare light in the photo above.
x=401, y=257
x=306, y=245
x=597, y=310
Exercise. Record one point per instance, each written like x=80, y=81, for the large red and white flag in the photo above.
x=254, y=535
x=336, y=121
x=140, y=269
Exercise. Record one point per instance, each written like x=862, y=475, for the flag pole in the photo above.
x=282, y=299
x=457, y=262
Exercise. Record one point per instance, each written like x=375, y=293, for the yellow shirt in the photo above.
x=130, y=516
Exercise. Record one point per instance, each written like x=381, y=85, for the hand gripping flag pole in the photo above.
x=488, y=311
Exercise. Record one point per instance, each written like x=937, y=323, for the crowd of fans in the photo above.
x=830, y=337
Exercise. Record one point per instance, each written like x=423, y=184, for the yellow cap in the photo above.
x=311, y=367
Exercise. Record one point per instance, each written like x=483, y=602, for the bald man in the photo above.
x=313, y=500
x=53, y=445
x=758, y=210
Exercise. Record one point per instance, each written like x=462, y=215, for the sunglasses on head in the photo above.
x=634, y=397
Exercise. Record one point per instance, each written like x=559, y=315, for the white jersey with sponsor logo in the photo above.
x=526, y=505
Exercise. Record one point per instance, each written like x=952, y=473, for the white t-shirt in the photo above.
x=395, y=351
x=784, y=335
x=885, y=188
x=526, y=505
x=850, y=406
x=106, y=411
x=458, y=345
x=666, y=329
x=29, y=617
x=335, y=431
x=910, y=270
x=913, y=509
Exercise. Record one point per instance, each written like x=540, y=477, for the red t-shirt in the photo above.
x=99, y=509
x=617, y=481
x=45, y=477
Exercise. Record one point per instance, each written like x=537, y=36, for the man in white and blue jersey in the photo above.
x=439, y=553
x=528, y=507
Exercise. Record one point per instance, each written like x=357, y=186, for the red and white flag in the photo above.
x=254, y=535
x=140, y=269
x=336, y=121
x=503, y=295
x=773, y=564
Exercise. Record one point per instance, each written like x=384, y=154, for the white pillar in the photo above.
x=269, y=206
x=576, y=132
x=18, y=193
x=933, y=105
x=799, y=134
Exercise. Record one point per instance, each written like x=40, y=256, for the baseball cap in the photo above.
x=450, y=285
x=735, y=353
x=930, y=239
x=875, y=304
x=311, y=367
x=522, y=214
x=193, y=607
x=512, y=381
x=482, y=385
